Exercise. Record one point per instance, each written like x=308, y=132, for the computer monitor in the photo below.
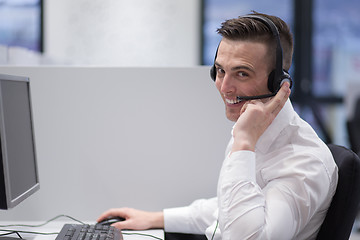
x=18, y=168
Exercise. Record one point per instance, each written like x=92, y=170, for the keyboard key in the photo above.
x=89, y=232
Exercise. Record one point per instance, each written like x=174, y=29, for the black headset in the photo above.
x=278, y=75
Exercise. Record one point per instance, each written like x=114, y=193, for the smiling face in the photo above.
x=242, y=69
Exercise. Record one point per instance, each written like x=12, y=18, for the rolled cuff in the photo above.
x=177, y=220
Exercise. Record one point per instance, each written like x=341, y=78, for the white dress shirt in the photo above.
x=280, y=191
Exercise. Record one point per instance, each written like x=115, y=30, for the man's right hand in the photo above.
x=255, y=117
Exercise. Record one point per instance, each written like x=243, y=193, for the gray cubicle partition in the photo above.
x=107, y=137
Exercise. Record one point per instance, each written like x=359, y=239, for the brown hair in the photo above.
x=250, y=29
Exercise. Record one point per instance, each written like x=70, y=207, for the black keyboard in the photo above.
x=89, y=232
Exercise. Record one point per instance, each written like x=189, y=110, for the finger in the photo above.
x=129, y=224
x=109, y=213
x=103, y=217
x=243, y=108
x=276, y=104
x=122, y=225
x=284, y=91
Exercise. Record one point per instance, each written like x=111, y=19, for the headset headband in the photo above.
x=275, y=33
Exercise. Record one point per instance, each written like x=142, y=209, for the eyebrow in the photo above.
x=240, y=67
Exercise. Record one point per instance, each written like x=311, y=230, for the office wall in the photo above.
x=107, y=137
x=123, y=33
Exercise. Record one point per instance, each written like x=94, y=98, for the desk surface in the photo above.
x=55, y=227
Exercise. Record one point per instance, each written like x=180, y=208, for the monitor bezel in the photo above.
x=6, y=202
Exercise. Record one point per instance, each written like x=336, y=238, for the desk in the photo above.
x=55, y=227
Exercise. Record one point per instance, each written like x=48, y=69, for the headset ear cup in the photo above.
x=274, y=85
x=271, y=82
x=213, y=73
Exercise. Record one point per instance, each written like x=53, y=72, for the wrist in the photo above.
x=241, y=144
x=158, y=220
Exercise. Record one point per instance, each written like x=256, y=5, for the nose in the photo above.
x=226, y=85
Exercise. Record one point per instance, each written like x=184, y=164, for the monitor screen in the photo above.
x=18, y=169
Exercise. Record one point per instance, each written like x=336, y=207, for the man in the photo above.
x=278, y=177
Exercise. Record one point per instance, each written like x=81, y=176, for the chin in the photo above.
x=232, y=116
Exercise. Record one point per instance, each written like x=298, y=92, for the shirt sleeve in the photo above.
x=278, y=211
x=193, y=219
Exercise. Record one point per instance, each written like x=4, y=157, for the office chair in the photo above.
x=343, y=209
x=353, y=128
x=184, y=236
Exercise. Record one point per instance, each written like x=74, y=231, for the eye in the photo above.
x=242, y=74
x=220, y=72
